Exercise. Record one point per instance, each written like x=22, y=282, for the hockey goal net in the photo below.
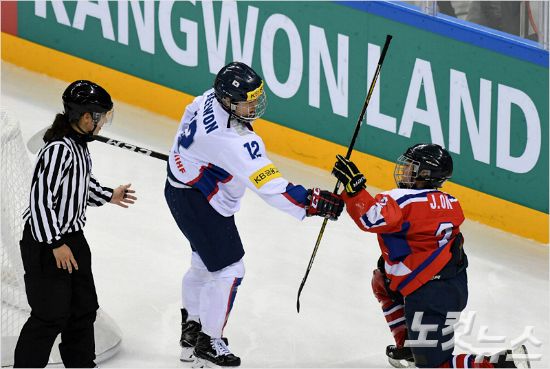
x=15, y=180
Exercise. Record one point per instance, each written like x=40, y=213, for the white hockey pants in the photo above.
x=210, y=295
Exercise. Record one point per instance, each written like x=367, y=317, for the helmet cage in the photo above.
x=249, y=111
x=406, y=172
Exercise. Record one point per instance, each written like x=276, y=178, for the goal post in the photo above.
x=15, y=180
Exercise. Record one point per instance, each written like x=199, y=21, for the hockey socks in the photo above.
x=516, y=358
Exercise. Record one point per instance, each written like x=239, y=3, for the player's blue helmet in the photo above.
x=429, y=163
x=240, y=90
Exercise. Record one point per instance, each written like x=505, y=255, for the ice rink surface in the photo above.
x=139, y=257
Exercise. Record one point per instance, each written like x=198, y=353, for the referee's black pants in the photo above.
x=61, y=303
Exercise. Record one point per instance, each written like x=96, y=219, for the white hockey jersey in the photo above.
x=221, y=160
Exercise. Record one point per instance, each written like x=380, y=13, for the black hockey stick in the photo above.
x=134, y=148
x=36, y=142
x=348, y=154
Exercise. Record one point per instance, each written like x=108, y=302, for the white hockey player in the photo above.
x=216, y=155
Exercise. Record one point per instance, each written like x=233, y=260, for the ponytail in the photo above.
x=59, y=128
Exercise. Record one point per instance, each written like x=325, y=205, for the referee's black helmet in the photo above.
x=85, y=97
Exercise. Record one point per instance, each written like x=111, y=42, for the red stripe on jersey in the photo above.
x=201, y=173
x=217, y=188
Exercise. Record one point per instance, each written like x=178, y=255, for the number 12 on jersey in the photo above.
x=253, y=148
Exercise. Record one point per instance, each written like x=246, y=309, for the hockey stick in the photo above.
x=348, y=154
x=134, y=148
x=36, y=142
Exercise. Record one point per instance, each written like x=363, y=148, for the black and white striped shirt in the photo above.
x=62, y=187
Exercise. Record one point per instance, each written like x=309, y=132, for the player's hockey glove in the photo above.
x=324, y=204
x=347, y=173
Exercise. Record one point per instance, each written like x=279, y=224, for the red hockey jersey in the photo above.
x=415, y=228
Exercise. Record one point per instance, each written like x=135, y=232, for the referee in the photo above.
x=56, y=257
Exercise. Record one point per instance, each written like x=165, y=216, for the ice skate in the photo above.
x=514, y=358
x=189, y=331
x=401, y=357
x=213, y=353
x=521, y=357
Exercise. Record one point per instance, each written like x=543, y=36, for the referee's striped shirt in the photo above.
x=62, y=187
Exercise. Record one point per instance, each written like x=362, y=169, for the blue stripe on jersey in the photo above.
x=398, y=247
x=369, y=224
x=296, y=194
x=207, y=182
x=421, y=267
x=413, y=196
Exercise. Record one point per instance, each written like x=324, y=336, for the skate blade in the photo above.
x=187, y=354
x=520, y=357
x=401, y=363
x=202, y=363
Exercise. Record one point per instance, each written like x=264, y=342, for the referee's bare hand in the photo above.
x=64, y=258
x=122, y=195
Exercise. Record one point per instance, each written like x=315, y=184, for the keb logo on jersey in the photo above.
x=264, y=175
x=254, y=94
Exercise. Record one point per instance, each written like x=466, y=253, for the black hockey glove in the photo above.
x=324, y=204
x=347, y=173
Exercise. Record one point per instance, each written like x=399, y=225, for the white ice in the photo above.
x=139, y=257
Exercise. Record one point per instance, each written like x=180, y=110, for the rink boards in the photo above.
x=501, y=174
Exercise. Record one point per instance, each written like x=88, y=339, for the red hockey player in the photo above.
x=421, y=275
